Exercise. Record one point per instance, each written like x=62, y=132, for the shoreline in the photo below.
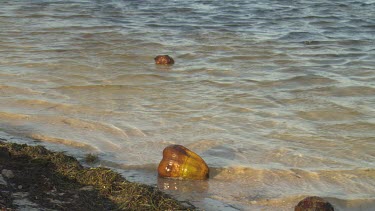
x=33, y=177
x=48, y=179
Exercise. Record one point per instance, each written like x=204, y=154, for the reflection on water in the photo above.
x=277, y=97
x=183, y=186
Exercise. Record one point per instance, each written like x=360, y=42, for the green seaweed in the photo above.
x=53, y=176
x=91, y=158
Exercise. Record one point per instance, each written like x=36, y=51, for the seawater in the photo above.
x=277, y=96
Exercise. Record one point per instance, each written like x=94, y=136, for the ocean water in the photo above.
x=277, y=96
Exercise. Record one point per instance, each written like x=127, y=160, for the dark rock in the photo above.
x=163, y=59
x=313, y=203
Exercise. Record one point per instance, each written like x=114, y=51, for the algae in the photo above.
x=91, y=158
x=53, y=180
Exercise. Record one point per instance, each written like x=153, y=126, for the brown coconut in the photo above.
x=164, y=60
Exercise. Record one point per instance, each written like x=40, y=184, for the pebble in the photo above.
x=2, y=181
x=7, y=173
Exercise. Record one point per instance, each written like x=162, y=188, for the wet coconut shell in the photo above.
x=313, y=203
x=163, y=59
x=180, y=162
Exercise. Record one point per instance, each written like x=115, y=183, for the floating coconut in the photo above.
x=313, y=203
x=179, y=162
x=163, y=59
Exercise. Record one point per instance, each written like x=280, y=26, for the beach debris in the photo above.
x=87, y=188
x=7, y=173
x=181, y=163
x=164, y=59
x=313, y=203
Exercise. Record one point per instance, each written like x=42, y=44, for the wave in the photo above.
x=70, y=143
x=281, y=189
x=65, y=130
x=140, y=79
x=302, y=80
x=342, y=91
x=13, y=90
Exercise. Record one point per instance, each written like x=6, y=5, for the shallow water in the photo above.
x=277, y=97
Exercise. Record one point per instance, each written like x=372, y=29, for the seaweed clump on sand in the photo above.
x=42, y=179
